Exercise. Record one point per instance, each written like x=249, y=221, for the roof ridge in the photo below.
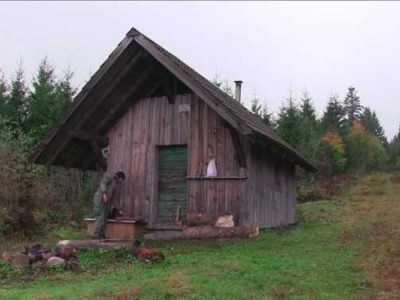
x=235, y=107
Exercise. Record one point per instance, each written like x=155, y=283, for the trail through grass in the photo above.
x=340, y=249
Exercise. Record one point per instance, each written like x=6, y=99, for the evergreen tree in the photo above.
x=333, y=117
x=223, y=85
x=309, y=128
x=64, y=89
x=372, y=125
x=394, y=151
x=47, y=101
x=262, y=112
x=352, y=106
x=4, y=113
x=288, y=123
x=17, y=102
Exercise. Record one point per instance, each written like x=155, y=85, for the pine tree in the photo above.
x=372, y=125
x=394, y=151
x=333, y=117
x=17, y=102
x=4, y=111
x=223, y=85
x=262, y=112
x=309, y=128
x=47, y=101
x=288, y=123
x=352, y=106
x=64, y=89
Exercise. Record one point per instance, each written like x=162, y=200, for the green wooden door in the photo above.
x=172, y=161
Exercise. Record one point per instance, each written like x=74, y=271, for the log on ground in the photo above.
x=206, y=232
x=97, y=244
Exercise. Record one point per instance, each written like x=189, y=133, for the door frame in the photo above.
x=153, y=205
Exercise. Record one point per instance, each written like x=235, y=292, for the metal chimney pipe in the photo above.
x=238, y=90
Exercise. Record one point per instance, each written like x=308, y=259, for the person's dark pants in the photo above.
x=100, y=215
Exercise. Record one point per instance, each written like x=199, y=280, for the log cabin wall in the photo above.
x=270, y=189
x=153, y=122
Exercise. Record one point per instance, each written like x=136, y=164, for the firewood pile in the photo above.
x=43, y=256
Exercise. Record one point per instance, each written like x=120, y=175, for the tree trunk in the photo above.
x=205, y=232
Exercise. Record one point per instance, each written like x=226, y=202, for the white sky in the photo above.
x=274, y=47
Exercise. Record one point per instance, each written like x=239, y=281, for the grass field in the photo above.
x=347, y=248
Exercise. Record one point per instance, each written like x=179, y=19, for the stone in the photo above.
x=7, y=256
x=20, y=260
x=64, y=251
x=225, y=221
x=73, y=263
x=47, y=255
x=35, y=252
x=55, y=261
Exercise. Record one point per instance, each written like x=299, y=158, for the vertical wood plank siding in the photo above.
x=153, y=122
x=270, y=189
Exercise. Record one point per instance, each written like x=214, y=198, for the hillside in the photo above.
x=344, y=248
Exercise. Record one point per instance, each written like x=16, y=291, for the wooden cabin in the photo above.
x=163, y=123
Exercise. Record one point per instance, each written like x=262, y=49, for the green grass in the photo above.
x=320, y=258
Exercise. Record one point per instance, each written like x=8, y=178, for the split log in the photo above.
x=206, y=232
x=97, y=244
x=225, y=221
x=199, y=219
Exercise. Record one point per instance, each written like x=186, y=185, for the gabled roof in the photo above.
x=137, y=55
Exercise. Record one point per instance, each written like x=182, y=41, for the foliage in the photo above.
x=3, y=97
x=372, y=125
x=364, y=151
x=262, y=112
x=43, y=196
x=310, y=129
x=332, y=159
x=46, y=101
x=338, y=250
x=352, y=106
x=224, y=85
x=333, y=117
x=288, y=123
x=394, y=151
x=16, y=102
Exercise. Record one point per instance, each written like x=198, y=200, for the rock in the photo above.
x=64, y=251
x=35, y=252
x=47, y=255
x=225, y=221
x=55, y=261
x=39, y=265
x=8, y=256
x=20, y=260
x=73, y=263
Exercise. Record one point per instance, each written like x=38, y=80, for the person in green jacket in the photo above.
x=102, y=201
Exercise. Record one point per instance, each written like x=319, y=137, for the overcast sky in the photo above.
x=274, y=47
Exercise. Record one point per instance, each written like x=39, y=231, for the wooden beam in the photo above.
x=87, y=136
x=122, y=46
x=99, y=156
x=105, y=94
x=170, y=86
x=191, y=83
x=239, y=146
x=124, y=98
